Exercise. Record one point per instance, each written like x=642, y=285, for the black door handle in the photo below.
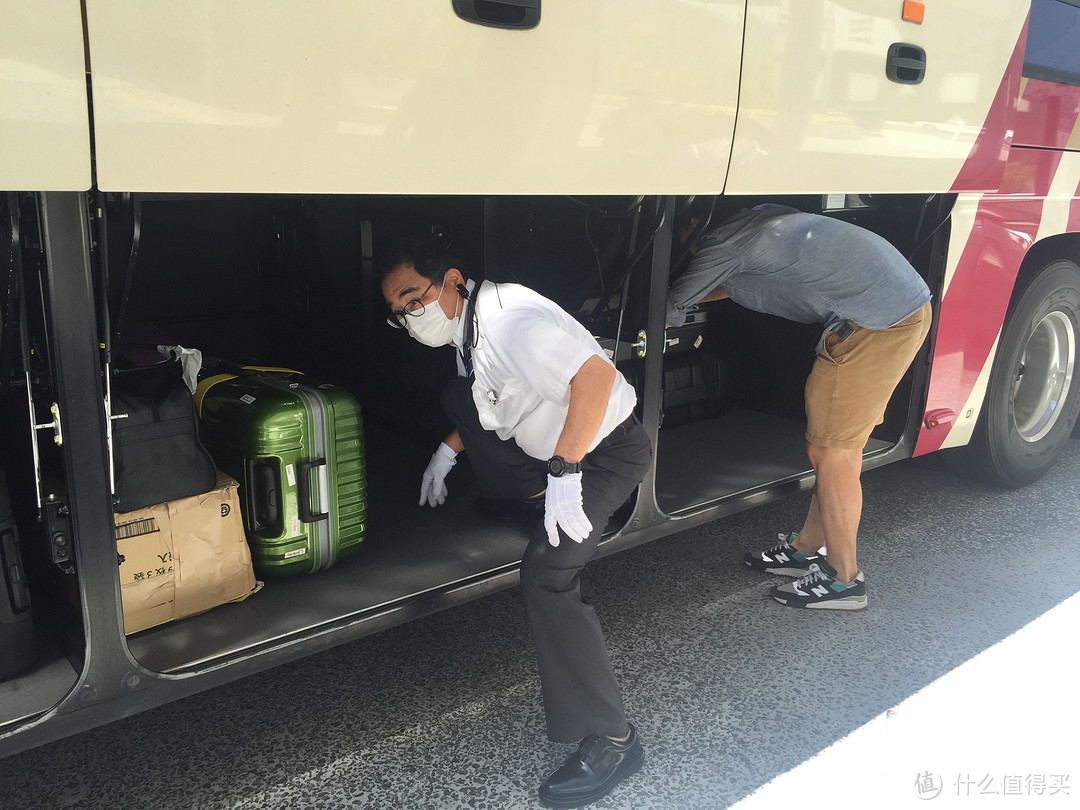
x=516, y=14
x=906, y=63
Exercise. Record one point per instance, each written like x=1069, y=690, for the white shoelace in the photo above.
x=813, y=575
x=783, y=545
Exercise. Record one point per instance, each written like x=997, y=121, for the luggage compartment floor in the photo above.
x=412, y=553
x=408, y=552
x=39, y=689
x=738, y=451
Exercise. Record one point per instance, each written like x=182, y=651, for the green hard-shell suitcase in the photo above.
x=297, y=448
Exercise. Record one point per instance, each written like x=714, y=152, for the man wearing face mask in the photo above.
x=549, y=427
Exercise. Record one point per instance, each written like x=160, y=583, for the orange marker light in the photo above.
x=914, y=12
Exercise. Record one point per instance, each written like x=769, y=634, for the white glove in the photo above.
x=562, y=507
x=433, y=487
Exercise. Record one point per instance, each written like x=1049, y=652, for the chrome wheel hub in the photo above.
x=1044, y=376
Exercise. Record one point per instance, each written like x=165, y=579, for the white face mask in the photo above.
x=433, y=328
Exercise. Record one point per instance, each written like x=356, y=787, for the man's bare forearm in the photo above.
x=590, y=389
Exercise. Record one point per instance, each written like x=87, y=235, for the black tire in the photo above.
x=1033, y=397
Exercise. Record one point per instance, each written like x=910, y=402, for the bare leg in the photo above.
x=835, y=509
x=811, y=536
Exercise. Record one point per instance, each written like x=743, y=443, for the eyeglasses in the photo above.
x=415, y=307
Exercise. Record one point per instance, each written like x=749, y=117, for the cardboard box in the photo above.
x=183, y=557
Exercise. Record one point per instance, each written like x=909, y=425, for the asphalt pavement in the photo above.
x=955, y=688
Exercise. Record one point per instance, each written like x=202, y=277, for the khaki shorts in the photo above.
x=852, y=380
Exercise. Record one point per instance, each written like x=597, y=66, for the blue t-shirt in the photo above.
x=804, y=267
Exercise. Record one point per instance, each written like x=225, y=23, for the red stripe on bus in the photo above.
x=990, y=152
x=1073, y=223
x=1047, y=114
x=972, y=311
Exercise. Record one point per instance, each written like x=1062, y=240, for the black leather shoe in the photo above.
x=528, y=510
x=592, y=771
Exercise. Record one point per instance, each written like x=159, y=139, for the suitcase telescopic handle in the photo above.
x=304, y=470
x=262, y=484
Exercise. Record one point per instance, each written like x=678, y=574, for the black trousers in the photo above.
x=581, y=695
x=502, y=469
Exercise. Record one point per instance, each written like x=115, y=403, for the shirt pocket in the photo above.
x=499, y=406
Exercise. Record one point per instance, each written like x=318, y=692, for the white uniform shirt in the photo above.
x=527, y=350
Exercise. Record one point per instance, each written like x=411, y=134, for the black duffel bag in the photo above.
x=157, y=453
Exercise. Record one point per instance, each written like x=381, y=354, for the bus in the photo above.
x=222, y=176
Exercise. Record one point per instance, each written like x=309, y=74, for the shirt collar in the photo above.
x=459, y=335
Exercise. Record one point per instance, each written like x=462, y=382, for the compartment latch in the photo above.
x=54, y=425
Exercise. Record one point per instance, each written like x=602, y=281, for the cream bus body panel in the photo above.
x=404, y=97
x=817, y=113
x=44, y=125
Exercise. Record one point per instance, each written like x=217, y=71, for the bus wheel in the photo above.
x=1034, y=393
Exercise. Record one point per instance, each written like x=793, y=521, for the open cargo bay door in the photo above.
x=414, y=96
x=44, y=124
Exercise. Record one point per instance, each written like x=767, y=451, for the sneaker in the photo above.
x=819, y=589
x=783, y=559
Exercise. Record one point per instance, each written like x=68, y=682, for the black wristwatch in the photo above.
x=557, y=465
